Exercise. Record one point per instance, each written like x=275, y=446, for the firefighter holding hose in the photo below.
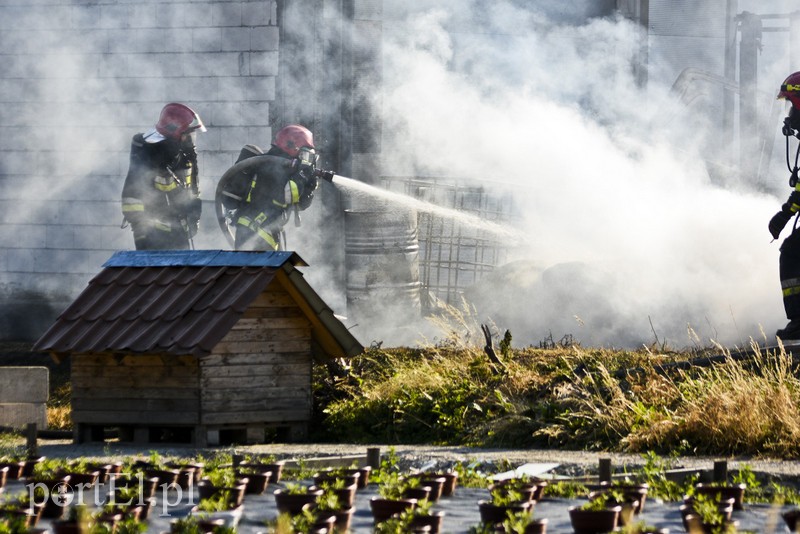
x=790, y=249
x=161, y=197
x=257, y=196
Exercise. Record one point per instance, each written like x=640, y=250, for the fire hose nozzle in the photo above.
x=325, y=175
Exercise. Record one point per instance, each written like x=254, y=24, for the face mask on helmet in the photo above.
x=306, y=160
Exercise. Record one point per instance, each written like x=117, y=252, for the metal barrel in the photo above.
x=382, y=265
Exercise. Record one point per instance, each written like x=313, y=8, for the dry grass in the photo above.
x=747, y=406
x=59, y=417
x=575, y=398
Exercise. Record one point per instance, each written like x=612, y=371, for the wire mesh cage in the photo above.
x=453, y=255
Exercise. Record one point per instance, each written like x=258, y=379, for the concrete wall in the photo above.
x=79, y=79
x=23, y=396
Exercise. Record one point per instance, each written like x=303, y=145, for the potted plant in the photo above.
x=220, y=506
x=294, y=497
x=14, y=525
x=706, y=513
x=524, y=523
x=257, y=479
x=521, y=485
x=628, y=502
x=401, y=523
x=193, y=524
x=642, y=527
x=130, y=525
x=391, y=497
x=501, y=503
x=435, y=483
x=724, y=490
x=631, y=490
x=415, y=490
x=331, y=475
x=82, y=475
x=597, y=515
x=338, y=501
x=155, y=467
x=190, y=472
x=423, y=515
x=265, y=464
x=363, y=471
x=222, y=478
x=48, y=475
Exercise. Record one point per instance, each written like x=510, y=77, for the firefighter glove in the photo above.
x=778, y=221
x=195, y=209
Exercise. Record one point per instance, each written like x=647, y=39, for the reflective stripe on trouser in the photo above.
x=255, y=227
x=158, y=235
x=790, y=275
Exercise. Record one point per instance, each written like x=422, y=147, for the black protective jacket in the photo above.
x=160, y=197
x=263, y=196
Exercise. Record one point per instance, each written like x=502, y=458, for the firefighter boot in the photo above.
x=790, y=332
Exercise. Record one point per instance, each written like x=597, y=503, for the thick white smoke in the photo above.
x=629, y=241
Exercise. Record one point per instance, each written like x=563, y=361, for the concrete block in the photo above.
x=235, y=39
x=142, y=16
x=207, y=39
x=60, y=236
x=200, y=15
x=264, y=63
x=17, y=415
x=91, y=237
x=116, y=16
x=256, y=13
x=23, y=236
x=228, y=114
x=212, y=64
x=85, y=17
x=227, y=14
x=264, y=38
x=231, y=88
x=237, y=136
x=24, y=384
x=257, y=113
x=20, y=260
x=260, y=88
x=169, y=15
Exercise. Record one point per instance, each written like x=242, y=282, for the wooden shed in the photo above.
x=196, y=346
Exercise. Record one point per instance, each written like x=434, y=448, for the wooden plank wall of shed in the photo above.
x=135, y=389
x=261, y=370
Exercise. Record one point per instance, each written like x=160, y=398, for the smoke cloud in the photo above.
x=629, y=241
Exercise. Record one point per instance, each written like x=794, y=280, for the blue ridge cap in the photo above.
x=202, y=258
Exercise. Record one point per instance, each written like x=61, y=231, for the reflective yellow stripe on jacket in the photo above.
x=165, y=183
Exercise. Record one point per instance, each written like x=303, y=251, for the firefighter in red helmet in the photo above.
x=790, y=248
x=161, y=196
x=260, y=191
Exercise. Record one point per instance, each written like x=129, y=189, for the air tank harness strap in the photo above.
x=255, y=226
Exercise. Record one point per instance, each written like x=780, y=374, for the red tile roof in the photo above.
x=180, y=302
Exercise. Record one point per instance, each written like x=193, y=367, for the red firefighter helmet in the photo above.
x=292, y=138
x=177, y=120
x=790, y=89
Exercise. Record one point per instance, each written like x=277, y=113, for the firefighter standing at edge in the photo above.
x=160, y=198
x=790, y=249
x=261, y=196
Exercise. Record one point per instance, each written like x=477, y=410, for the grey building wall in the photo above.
x=78, y=80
